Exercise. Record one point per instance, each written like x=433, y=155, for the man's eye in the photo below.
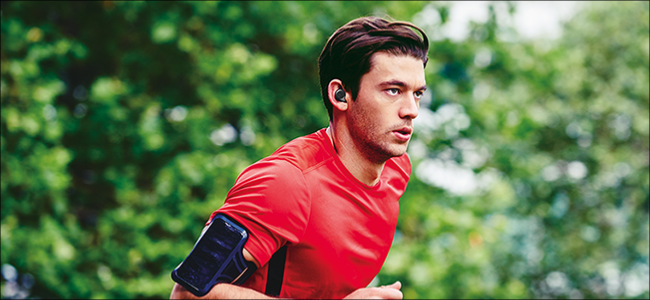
x=418, y=94
x=392, y=92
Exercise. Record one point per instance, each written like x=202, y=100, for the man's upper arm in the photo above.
x=271, y=200
x=249, y=257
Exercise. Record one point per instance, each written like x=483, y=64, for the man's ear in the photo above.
x=332, y=87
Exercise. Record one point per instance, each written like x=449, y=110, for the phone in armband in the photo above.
x=217, y=257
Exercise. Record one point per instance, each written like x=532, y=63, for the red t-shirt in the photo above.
x=337, y=229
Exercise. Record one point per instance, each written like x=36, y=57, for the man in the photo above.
x=320, y=213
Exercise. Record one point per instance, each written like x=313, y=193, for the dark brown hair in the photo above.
x=348, y=52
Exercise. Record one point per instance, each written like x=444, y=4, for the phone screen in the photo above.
x=211, y=251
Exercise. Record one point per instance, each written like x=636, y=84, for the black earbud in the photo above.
x=339, y=95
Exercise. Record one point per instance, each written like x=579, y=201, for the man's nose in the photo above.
x=410, y=108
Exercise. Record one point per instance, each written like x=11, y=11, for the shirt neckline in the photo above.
x=328, y=144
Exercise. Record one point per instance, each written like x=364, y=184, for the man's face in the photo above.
x=380, y=120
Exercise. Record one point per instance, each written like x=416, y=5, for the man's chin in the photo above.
x=398, y=150
x=380, y=153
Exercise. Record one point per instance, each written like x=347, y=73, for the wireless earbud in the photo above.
x=339, y=95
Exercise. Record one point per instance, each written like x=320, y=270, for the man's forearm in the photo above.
x=219, y=291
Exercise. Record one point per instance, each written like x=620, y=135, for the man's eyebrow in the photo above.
x=400, y=83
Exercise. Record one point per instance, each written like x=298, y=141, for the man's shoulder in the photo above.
x=304, y=152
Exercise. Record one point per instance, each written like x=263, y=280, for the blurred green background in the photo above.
x=124, y=124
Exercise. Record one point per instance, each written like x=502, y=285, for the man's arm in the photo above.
x=383, y=292
x=229, y=291
x=222, y=290
x=219, y=291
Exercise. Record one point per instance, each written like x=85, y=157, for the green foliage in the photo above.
x=124, y=125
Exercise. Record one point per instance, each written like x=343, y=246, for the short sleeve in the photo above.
x=271, y=200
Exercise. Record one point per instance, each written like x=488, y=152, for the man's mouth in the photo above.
x=403, y=134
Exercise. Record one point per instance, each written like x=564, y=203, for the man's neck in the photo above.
x=363, y=169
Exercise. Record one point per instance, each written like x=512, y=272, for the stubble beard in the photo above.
x=374, y=144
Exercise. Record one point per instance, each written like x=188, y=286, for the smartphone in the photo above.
x=216, y=257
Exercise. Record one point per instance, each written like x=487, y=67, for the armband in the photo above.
x=216, y=257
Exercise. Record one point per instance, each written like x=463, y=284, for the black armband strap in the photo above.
x=216, y=257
